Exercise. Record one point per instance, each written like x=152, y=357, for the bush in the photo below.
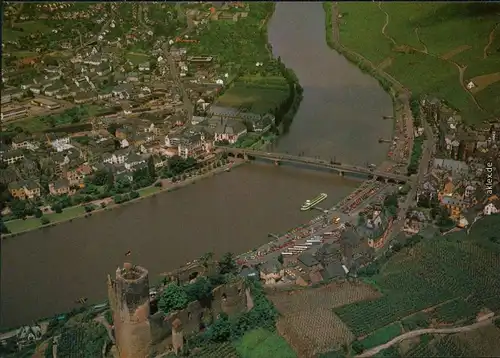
x=89, y=208
x=44, y=220
x=38, y=213
x=57, y=208
x=134, y=195
x=108, y=315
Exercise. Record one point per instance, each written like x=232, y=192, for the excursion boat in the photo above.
x=310, y=203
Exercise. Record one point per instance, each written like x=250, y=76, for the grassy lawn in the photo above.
x=16, y=226
x=458, y=32
x=489, y=98
x=148, y=191
x=31, y=124
x=23, y=54
x=136, y=58
x=255, y=98
x=261, y=343
x=67, y=214
x=30, y=27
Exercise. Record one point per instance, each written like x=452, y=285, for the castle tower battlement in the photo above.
x=129, y=301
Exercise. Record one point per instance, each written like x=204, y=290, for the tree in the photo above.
x=206, y=258
x=200, y=290
x=102, y=177
x=18, y=208
x=358, y=347
x=227, y=263
x=134, y=195
x=280, y=259
x=174, y=297
x=38, y=213
x=3, y=228
x=151, y=167
x=220, y=331
x=57, y=208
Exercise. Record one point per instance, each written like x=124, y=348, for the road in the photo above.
x=416, y=181
x=188, y=105
x=420, y=332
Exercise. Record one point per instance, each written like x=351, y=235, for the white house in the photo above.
x=124, y=143
x=471, y=85
x=490, y=208
x=118, y=157
x=134, y=160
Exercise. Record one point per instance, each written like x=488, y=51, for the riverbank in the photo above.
x=403, y=125
x=78, y=212
x=405, y=41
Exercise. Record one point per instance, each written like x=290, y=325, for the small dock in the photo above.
x=388, y=117
x=382, y=140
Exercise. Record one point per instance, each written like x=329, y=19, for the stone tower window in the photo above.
x=224, y=297
x=189, y=315
x=239, y=291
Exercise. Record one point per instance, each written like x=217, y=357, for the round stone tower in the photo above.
x=129, y=300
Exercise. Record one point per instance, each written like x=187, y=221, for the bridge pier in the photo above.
x=277, y=162
x=341, y=173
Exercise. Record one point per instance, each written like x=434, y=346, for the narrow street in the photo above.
x=188, y=106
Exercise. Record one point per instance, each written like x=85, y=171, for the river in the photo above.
x=45, y=271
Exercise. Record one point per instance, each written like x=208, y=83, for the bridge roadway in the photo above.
x=340, y=167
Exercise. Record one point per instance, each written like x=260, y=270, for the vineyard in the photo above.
x=434, y=272
x=82, y=341
x=381, y=336
x=391, y=352
x=455, y=310
x=218, y=350
x=307, y=319
x=484, y=341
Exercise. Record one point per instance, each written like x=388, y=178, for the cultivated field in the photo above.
x=255, y=94
x=484, y=342
x=460, y=278
x=432, y=48
x=308, y=322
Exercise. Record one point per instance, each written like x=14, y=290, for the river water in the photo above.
x=45, y=271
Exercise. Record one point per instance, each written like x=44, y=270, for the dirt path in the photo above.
x=386, y=24
x=491, y=38
x=420, y=332
x=335, y=23
x=420, y=41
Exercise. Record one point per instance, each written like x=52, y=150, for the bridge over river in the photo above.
x=341, y=168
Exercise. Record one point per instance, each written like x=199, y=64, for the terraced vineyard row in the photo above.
x=407, y=294
x=449, y=346
x=433, y=272
x=455, y=310
x=225, y=350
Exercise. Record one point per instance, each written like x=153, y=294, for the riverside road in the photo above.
x=43, y=272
